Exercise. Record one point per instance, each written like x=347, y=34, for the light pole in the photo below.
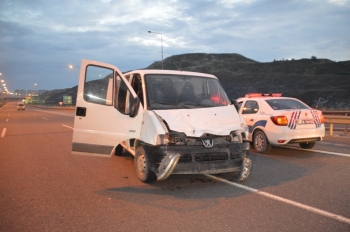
x=3, y=86
x=37, y=94
x=161, y=42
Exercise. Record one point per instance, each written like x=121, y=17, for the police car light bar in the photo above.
x=250, y=95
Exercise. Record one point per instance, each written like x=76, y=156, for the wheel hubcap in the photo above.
x=141, y=164
x=259, y=141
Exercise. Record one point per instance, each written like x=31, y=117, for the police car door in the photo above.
x=107, y=110
x=249, y=112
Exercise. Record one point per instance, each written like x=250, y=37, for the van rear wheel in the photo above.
x=119, y=150
x=142, y=166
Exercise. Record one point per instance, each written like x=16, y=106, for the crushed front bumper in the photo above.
x=184, y=159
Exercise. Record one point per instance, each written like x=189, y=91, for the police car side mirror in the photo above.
x=134, y=107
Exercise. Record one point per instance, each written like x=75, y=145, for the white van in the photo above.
x=172, y=122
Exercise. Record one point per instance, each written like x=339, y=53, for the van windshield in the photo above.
x=182, y=91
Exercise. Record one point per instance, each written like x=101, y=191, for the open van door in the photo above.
x=107, y=110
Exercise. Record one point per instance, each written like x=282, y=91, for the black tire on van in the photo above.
x=142, y=166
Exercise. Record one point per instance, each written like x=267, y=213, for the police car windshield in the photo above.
x=286, y=104
x=182, y=91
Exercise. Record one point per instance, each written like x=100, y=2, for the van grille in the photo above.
x=203, y=157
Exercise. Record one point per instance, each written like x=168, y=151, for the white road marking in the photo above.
x=50, y=112
x=318, y=151
x=333, y=144
x=44, y=118
x=3, y=133
x=284, y=200
x=68, y=126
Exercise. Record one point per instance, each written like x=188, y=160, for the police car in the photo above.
x=276, y=120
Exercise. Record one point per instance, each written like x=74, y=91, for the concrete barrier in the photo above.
x=52, y=107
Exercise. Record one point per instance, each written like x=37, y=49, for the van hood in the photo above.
x=196, y=122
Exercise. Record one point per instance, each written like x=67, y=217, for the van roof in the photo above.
x=171, y=72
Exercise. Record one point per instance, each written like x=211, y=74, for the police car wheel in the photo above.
x=307, y=145
x=261, y=144
x=142, y=166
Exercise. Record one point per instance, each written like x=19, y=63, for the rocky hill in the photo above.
x=307, y=79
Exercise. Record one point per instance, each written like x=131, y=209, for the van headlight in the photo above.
x=162, y=139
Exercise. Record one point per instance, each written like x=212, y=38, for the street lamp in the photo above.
x=161, y=42
x=70, y=66
x=37, y=94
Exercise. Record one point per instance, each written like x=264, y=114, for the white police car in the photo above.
x=276, y=120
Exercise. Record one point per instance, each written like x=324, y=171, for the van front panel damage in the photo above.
x=194, y=122
x=199, y=159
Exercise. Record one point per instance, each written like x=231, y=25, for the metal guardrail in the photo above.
x=343, y=112
x=335, y=119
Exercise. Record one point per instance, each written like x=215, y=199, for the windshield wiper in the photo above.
x=187, y=104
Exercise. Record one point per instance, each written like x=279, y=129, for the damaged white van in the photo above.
x=172, y=122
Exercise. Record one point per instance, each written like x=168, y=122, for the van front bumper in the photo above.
x=197, y=159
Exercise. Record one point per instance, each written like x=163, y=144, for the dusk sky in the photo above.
x=39, y=38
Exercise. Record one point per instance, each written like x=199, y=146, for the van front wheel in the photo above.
x=142, y=166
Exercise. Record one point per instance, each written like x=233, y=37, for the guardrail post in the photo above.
x=335, y=119
x=331, y=129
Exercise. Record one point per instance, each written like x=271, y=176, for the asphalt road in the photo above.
x=45, y=188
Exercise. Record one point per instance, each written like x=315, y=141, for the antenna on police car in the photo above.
x=318, y=102
x=177, y=66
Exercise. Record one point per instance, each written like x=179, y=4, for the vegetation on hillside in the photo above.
x=307, y=79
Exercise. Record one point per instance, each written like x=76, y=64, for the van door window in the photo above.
x=98, y=85
x=123, y=96
x=136, y=84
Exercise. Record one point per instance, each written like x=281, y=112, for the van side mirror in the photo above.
x=134, y=107
x=235, y=103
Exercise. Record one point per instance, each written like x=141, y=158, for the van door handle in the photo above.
x=81, y=111
x=251, y=120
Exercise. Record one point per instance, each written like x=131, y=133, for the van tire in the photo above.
x=245, y=171
x=142, y=166
x=119, y=150
x=261, y=144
